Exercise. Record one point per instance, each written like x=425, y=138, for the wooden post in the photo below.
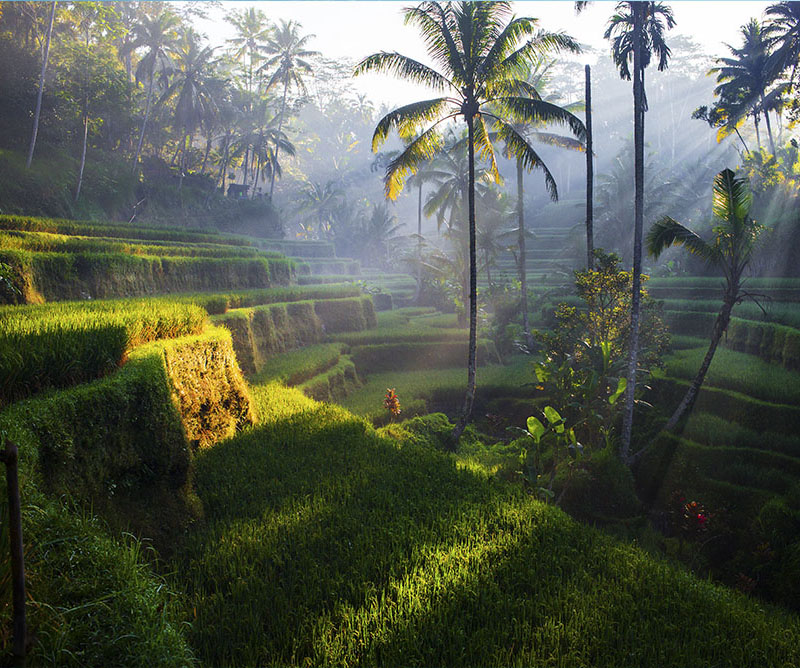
x=9, y=458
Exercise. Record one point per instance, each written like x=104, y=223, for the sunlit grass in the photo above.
x=60, y=344
x=325, y=544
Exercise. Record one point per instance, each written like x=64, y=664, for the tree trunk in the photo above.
x=589, y=175
x=146, y=116
x=183, y=161
x=38, y=110
x=758, y=134
x=720, y=326
x=469, y=398
x=523, y=269
x=205, y=155
x=769, y=125
x=83, y=152
x=638, y=10
x=419, y=246
x=224, y=167
x=277, y=138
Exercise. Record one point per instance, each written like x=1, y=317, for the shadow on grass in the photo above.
x=324, y=544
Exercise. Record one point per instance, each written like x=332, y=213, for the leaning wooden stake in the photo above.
x=9, y=458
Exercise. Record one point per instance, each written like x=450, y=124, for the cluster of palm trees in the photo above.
x=234, y=102
x=756, y=79
x=483, y=54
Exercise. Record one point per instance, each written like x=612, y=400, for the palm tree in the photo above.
x=37, y=112
x=783, y=35
x=477, y=47
x=745, y=79
x=636, y=32
x=159, y=36
x=253, y=31
x=419, y=180
x=536, y=78
x=288, y=57
x=731, y=250
x=252, y=34
x=191, y=83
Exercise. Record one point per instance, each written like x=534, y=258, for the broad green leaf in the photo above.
x=554, y=418
x=535, y=428
x=621, y=385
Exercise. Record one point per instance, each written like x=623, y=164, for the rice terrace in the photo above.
x=457, y=334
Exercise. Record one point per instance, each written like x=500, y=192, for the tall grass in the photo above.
x=325, y=544
x=62, y=344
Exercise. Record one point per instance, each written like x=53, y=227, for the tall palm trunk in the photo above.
x=638, y=218
x=223, y=169
x=589, y=175
x=205, y=154
x=758, y=134
x=38, y=111
x=147, y=106
x=277, y=137
x=523, y=269
x=769, y=126
x=419, y=246
x=83, y=151
x=469, y=398
x=720, y=326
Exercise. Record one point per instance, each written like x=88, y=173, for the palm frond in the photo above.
x=523, y=152
x=403, y=67
x=731, y=197
x=408, y=119
x=483, y=145
x=668, y=232
x=422, y=149
x=526, y=110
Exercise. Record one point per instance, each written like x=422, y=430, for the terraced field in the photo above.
x=296, y=532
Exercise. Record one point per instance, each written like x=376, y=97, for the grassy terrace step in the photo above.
x=423, y=391
x=220, y=302
x=299, y=249
x=745, y=411
x=776, y=293
x=781, y=313
x=769, y=341
x=343, y=547
x=410, y=356
x=334, y=383
x=262, y=332
x=716, y=430
x=739, y=372
x=61, y=243
x=63, y=276
x=118, y=230
x=405, y=326
x=297, y=366
x=327, y=267
x=58, y=345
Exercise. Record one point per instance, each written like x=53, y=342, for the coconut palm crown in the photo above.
x=481, y=51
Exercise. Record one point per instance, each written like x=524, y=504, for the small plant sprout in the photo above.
x=391, y=402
